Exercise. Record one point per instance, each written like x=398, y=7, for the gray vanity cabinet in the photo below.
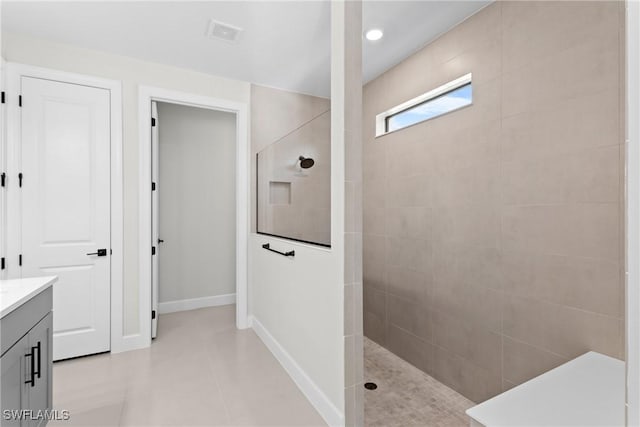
x=40, y=394
x=26, y=362
x=14, y=394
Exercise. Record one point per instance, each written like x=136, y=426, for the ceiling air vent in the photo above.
x=221, y=31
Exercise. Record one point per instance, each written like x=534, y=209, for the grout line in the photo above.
x=562, y=105
x=300, y=127
x=124, y=402
x=537, y=347
x=221, y=395
x=555, y=304
x=502, y=197
x=567, y=203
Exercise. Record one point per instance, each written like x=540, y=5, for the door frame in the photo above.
x=3, y=169
x=15, y=71
x=146, y=94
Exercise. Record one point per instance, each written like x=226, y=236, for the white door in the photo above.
x=66, y=207
x=155, y=226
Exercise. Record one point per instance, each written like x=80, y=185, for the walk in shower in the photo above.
x=493, y=230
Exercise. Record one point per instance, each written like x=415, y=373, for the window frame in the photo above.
x=382, y=118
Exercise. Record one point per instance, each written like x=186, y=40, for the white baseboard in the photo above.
x=332, y=415
x=192, y=304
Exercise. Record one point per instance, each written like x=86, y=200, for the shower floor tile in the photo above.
x=406, y=396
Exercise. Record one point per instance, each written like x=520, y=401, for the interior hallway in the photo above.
x=200, y=370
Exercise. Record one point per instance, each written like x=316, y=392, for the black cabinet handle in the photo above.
x=100, y=252
x=160, y=241
x=290, y=253
x=32, y=379
x=39, y=348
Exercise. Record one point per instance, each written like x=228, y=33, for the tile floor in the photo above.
x=217, y=375
x=406, y=396
x=200, y=370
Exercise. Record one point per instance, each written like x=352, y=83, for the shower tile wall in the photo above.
x=292, y=203
x=493, y=236
x=276, y=114
x=351, y=120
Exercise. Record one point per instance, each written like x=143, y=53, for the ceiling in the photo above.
x=284, y=44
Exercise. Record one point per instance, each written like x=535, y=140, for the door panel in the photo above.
x=66, y=207
x=66, y=160
x=75, y=278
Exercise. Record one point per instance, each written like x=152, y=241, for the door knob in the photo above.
x=160, y=241
x=100, y=252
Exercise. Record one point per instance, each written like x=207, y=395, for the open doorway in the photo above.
x=194, y=223
x=193, y=208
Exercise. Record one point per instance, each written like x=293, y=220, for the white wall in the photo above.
x=298, y=301
x=132, y=73
x=196, y=191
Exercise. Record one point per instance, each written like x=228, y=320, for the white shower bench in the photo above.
x=586, y=391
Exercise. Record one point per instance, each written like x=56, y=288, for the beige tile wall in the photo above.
x=306, y=213
x=276, y=113
x=350, y=13
x=493, y=236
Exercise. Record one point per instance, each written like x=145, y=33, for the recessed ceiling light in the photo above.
x=374, y=34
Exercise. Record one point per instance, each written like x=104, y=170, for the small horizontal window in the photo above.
x=434, y=107
x=444, y=99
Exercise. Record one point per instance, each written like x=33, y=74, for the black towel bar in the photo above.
x=290, y=253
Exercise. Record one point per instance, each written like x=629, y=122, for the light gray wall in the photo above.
x=133, y=73
x=197, y=202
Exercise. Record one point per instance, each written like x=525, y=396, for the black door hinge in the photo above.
x=2, y=95
x=153, y=250
x=3, y=179
x=2, y=263
x=153, y=314
x=153, y=122
x=19, y=100
x=20, y=260
x=153, y=186
x=20, y=180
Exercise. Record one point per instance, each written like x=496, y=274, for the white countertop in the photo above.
x=15, y=292
x=586, y=391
